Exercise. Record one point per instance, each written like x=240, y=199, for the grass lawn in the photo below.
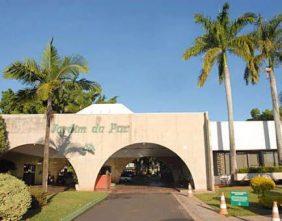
x=213, y=199
x=63, y=204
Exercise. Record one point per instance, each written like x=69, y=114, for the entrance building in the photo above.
x=110, y=135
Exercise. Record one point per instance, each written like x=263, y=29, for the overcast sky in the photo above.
x=134, y=50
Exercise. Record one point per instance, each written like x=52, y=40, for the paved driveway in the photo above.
x=137, y=207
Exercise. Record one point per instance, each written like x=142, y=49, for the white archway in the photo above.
x=141, y=149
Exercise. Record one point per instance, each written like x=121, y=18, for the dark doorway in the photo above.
x=29, y=174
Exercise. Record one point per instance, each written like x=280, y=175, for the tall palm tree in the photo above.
x=220, y=39
x=267, y=52
x=44, y=80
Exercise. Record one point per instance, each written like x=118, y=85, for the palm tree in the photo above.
x=267, y=40
x=221, y=38
x=44, y=80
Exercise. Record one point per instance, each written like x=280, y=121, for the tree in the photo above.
x=267, y=40
x=265, y=115
x=255, y=113
x=221, y=38
x=45, y=80
x=69, y=99
x=9, y=104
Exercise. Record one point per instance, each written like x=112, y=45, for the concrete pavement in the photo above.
x=137, y=207
x=200, y=211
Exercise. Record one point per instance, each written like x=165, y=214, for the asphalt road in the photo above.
x=137, y=207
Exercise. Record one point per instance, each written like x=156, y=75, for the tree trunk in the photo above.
x=276, y=114
x=233, y=160
x=46, y=146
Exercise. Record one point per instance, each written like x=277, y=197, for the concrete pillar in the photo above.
x=209, y=158
x=117, y=166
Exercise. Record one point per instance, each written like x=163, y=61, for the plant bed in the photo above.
x=246, y=174
x=65, y=205
x=255, y=208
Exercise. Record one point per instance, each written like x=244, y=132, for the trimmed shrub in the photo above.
x=267, y=199
x=260, y=170
x=14, y=197
x=39, y=198
x=261, y=185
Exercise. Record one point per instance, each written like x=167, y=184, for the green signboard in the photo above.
x=239, y=198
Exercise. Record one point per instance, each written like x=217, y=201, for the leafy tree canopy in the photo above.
x=66, y=100
x=267, y=114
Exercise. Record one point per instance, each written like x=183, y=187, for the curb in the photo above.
x=190, y=213
x=82, y=209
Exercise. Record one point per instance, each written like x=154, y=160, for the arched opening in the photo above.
x=145, y=164
x=26, y=163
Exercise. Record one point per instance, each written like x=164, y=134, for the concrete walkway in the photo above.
x=200, y=211
x=137, y=207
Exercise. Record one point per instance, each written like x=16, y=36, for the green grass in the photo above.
x=63, y=204
x=213, y=199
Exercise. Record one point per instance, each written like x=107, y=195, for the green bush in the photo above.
x=39, y=198
x=261, y=185
x=4, y=142
x=267, y=199
x=260, y=169
x=14, y=197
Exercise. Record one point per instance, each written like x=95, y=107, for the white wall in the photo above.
x=249, y=135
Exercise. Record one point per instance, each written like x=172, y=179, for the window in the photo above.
x=253, y=160
x=268, y=158
x=245, y=159
x=242, y=160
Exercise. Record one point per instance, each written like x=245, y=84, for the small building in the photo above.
x=106, y=137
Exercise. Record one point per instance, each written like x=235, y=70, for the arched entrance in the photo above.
x=26, y=163
x=167, y=163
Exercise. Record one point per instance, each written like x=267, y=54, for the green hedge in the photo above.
x=260, y=169
x=15, y=198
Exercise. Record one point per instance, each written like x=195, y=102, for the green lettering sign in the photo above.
x=239, y=198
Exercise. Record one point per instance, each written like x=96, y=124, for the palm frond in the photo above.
x=242, y=21
x=50, y=58
x=25, y=95
x=204, y=21
x=72, y=66
x=223, y=16
x=199, y=47
x=87, y=84
x=28, y=72
x=242, y=46
x=209, y=59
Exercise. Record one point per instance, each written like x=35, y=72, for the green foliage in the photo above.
x=263, y=116
x=56, y=78
x=262, y=185
x=267, y=199
x=10, y=104
x=220, y=37
x=260, y=169
x=14, y=197
x=39, y=198
x=4, y=142
x=266, y=47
